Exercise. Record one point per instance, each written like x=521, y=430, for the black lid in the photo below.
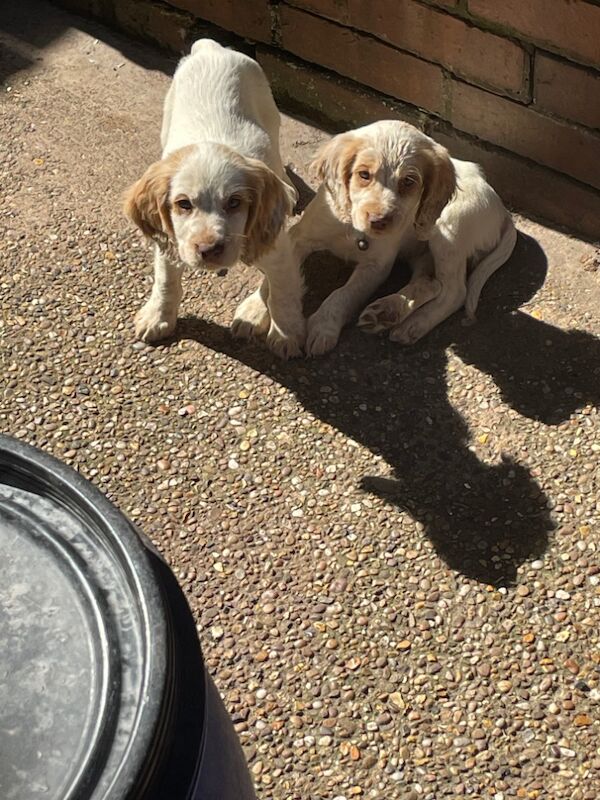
x=86, y=655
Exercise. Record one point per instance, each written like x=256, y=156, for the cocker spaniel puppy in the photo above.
x=387, y=191
x=219, y=195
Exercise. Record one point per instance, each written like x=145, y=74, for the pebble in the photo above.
x=572, y=666
x=397, y=700
x=566, y=752
x=582, y=686
x=261, y=656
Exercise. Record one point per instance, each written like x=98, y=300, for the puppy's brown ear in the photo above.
x=272, y=201
x=439, y=184
x=333, y=166
x=146, y=202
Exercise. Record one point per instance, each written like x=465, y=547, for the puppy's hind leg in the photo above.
x=388, y=312
x=451, y=276
x=158, y=317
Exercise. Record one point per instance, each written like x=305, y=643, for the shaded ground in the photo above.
x=391, y=553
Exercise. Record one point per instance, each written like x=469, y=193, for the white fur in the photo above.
x=439, y=228
x=472, y=238
x=220, y=109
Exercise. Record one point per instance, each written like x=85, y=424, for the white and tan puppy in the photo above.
x=388, y=190
x=220, y=195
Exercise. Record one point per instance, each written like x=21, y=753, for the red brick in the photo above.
x=573, y=151
x=445, y=3
x=326, y=98
x=530, y=188
x=249, y=18
x=567, y=91
x=365, y=60
x=481, y=57
x=169, y=28
x=571, y=27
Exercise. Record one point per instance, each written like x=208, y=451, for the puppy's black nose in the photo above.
x=380, y=222
x=211, y=251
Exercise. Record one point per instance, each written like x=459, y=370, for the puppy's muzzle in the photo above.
x=379, y=222
x=211, y=251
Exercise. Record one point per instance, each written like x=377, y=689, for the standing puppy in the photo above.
x=219, y=195
x=386, y=192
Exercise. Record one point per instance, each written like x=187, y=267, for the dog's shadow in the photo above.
x=484, y=520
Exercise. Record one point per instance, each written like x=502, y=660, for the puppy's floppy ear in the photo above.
x=439, y=184
x=333, y=166
x=272, y=201
x=146, y=202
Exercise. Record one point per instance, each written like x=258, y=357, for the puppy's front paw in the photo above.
x=285, y=344
x=154, y=322
x=251, y=318
x=386, y=313
x=322, y=336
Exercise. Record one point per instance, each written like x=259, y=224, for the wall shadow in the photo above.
x=32, y=25
x=484, y=520
x=27, y=27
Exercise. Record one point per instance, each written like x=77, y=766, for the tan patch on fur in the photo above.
x=146, y=202
x=272, y=199
x=333, y=165
x=439, y=184
x=367, y=163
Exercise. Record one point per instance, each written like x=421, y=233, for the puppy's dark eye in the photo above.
x=233, y=203
x=184, y=204
x=407, y=182
x=364, y=174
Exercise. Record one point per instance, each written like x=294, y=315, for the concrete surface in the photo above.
x=392, y=554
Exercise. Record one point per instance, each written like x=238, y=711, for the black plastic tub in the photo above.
x=103, y=692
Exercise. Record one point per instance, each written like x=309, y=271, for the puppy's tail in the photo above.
x=488, y=265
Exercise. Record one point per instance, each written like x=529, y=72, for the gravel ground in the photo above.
x=391, y=554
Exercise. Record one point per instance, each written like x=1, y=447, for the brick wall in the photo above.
x=513, y=84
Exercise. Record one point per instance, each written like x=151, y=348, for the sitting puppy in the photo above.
x=388, y=190
x=220, y=194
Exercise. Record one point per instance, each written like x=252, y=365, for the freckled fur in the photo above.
x=146, y=202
